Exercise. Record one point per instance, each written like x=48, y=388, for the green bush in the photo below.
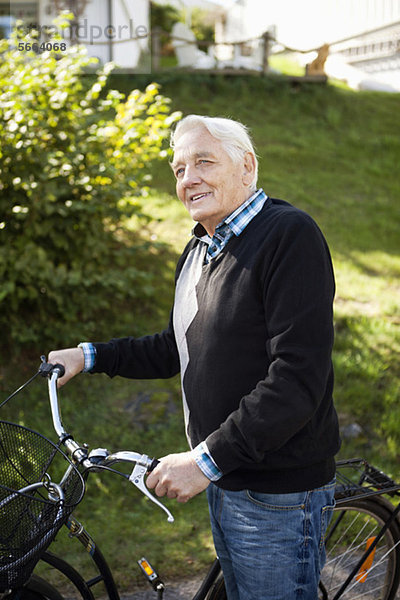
x=73, y=164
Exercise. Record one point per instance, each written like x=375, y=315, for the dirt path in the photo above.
x=183, y=590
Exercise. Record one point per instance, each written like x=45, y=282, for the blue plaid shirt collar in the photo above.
x=233, y=224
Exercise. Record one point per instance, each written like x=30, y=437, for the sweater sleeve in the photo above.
x=149, y=357
x=297, y=287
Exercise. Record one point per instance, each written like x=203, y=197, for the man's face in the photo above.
x=209, y=184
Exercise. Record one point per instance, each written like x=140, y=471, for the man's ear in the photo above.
x=249, y=168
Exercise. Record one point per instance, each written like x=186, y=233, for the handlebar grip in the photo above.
x=60, y=369
x=153, y=465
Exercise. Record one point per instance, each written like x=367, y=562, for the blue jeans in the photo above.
x=271, y=546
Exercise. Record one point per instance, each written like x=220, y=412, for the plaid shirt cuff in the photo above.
x=205, y=462
x=89, y=353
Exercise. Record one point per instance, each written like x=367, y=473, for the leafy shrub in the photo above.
x=73, y=164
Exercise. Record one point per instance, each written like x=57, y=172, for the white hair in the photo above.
x=233, y=135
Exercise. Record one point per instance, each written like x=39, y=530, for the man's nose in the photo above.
x=190, y=176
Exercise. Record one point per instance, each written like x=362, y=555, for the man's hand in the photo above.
x=177, y=476
x=72, y=360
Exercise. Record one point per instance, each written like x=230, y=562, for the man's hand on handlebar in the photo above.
x=177, y=476
x=72, y=360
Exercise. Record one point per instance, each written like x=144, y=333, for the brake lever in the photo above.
x=137, y=478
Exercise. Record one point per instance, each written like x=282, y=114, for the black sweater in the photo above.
x=252, y=334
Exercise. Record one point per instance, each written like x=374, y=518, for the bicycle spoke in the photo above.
x=339, y=561
x=372, y=571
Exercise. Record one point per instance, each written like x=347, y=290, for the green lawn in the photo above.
x=330, y=151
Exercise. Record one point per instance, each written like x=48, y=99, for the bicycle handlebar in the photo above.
x=100, y=457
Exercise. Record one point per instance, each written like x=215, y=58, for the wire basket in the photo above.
x=29, y=520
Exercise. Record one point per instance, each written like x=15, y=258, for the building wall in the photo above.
x=105, y=38
x=306, y=24
x=133, y=19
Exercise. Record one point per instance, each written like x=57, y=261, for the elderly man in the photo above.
x=251, y=334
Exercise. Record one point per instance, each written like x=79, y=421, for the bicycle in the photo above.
x=41, y=483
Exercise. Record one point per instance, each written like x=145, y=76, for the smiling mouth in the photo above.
x=199, y=196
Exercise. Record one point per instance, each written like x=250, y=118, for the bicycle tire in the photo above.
x=218, y=591
x=354, y=523
x=36, y=588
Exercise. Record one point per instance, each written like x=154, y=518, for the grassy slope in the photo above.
x=329, y=151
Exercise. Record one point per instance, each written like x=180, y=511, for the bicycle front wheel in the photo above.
x=353, y=528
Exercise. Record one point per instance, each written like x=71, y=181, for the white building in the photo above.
x=111, y=30
x=305, y=24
